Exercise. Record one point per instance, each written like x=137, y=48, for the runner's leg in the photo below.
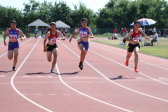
x=16, y=52
x=55, y=54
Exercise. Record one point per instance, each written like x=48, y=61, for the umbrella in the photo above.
x=145, y=22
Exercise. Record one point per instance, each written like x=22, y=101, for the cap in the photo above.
x=52, y=23
x=136, y=22
x=13, y=21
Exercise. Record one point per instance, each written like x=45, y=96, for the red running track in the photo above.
x=97, y=88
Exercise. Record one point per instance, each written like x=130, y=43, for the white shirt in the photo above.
x=155, y=36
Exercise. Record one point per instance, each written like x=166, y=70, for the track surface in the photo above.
x=97, y=88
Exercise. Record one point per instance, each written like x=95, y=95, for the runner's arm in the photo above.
x=6, y=33
x=74, y=35
x=22, y=35
x=45, y=39
x=91, y=34
x=129, y=35
x=144, y=34
x=62, y=36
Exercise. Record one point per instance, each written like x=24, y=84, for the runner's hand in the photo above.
x=5, y=43
x=70, y=39
x=44, y=50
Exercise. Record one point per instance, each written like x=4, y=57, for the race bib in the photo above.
x=53, y=41
x=136, y=39
x=13, y=37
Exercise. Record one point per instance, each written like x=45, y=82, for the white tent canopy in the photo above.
x=38, y=22
x=60, y=24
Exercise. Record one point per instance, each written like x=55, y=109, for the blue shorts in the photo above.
x=13, y=45
x=85, y=44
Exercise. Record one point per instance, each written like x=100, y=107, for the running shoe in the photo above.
x=52, y=71
x=136, y=70
x=81, y=66
x=14, y=69
x=126, y=63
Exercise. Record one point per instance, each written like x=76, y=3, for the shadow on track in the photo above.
x=120, y=77
x=73, y=73
x=6, y=71
x=38, y=73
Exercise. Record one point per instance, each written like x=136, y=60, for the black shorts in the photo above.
x=51, y=47
x=132, y=46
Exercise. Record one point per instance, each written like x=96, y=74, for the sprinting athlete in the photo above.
x=133, y=38
x=51, y=46
x=83, y=44
x=13, y=45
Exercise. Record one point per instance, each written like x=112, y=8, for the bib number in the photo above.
x=53, y=41
x=13, y=37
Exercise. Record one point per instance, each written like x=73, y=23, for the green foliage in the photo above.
x=115, y=14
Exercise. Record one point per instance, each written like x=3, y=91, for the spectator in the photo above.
x=155, y=38
x=42, y=32
x=76, y=29
x=121, y=32
x=66, y=32
x=124, y=31
x=28, y=32
x=36, y=32
x=115, y=30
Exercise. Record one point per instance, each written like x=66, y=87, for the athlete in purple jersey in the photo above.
x=13, y=45
x=83, y=44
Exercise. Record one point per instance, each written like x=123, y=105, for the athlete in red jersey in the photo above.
x=133, y=38
x=51, y=46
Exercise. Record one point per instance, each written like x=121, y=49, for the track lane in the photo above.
x=153, y=92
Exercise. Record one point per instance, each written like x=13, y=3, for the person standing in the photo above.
x=51, y=48
x=13, y=46
x=133, y=38
x=83, y=44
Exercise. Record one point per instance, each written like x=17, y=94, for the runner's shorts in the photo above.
x=85, y=44
x=51, y=47
x=13, y=45
x=132, y=46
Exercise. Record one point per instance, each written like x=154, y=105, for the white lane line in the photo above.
x=50, y=76
x=131, y=58
x=86, y=94
x=38, y=76
x=127, y=67
x=150, y=56
x=37, y=94
x=52, y=94
x=115, y=82
x=20, y=45
x=2, y=46
x=13, y=86
x=66, y=94
x=2, y=75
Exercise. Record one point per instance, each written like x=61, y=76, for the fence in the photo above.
x=106, y=31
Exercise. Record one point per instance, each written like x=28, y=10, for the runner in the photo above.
x=51, y=46
x=13, y=45
x=133, y=38
x=83, y=44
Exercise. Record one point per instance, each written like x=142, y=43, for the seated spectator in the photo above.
x=155, y=38
x=115, y=36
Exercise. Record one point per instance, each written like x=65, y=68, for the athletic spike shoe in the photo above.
x=14, y=69
x=52, y=71
x=136, y=70
x=126, y=63
x=81, y=65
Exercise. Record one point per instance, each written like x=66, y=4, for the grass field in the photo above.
x=160, y=50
